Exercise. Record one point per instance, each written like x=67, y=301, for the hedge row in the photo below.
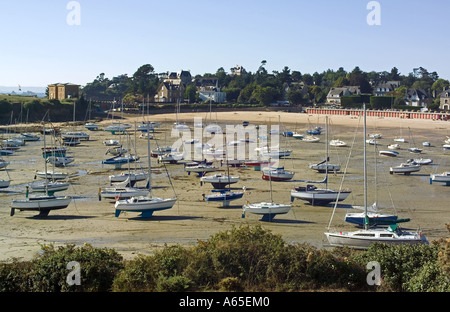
x=240, y=259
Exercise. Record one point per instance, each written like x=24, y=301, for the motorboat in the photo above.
x=405, y=168
x=338, y=143
x=394, y=146
x=298, y=136
x=415, y=150
x=420, y=161
x=311, y=139
x=388, y=153
x=111, y=142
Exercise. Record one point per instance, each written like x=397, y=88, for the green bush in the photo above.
x=399, y=263
x=98, y=268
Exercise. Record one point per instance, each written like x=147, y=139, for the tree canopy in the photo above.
x=264, y=87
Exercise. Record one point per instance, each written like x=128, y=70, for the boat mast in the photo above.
x=326, y=159
x=365, y=171
x=149, y=183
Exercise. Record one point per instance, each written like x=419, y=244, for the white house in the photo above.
x=335, y=94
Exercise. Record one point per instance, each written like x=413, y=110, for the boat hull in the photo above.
x=359, y=240
x=144, y=205
x=267, y=210
x=319, y=196
x=119, y=193
x=43, y=204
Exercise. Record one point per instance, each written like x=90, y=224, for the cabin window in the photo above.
x=365, y=234
x=385, y=235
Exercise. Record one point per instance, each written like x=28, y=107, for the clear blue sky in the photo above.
x=116, y=37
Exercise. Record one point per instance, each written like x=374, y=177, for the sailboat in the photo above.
x=146, y=205
x=319, y=196
x=368, y=235
x=268, y=210
x=43, y=203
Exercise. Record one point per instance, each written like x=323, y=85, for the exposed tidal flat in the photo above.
x=88, y=220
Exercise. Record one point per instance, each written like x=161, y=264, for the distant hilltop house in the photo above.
x=385, y=87
x=238, y=70
x=445, y=100
x=62, y=91
x=335, y=94
x=208, y=90
x=417, y=98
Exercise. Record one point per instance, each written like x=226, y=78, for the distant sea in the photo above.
x=25, y=91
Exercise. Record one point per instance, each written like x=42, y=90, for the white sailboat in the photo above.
x=146, y=205
x=367, y=236
x=43, y=203
x=268, y=210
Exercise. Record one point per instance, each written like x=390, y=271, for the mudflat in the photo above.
x=88, y=220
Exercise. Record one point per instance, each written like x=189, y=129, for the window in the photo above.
x=385, y=235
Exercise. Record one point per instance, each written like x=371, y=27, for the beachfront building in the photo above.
x=385, y=87
x=208, y=90
x=335, y=94
x=417, y=98
x=445, y=100
x=62, y=91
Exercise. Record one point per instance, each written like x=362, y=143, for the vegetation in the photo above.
x=262, y=87
x=240, y=259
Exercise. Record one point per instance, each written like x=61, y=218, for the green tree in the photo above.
x=190, y=93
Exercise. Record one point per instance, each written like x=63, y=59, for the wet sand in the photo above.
x=88, y=220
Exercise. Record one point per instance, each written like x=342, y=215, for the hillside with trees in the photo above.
x=257, y=89
x=263, y=87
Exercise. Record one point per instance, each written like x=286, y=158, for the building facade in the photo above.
x=445, y=100
x=62, y=91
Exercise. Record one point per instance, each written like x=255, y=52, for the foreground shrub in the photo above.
x=400, y=263
x=155, y=272
x=98, y=267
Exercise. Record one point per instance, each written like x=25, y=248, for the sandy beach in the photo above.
x=88, y=220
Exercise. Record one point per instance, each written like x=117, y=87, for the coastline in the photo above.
x=88, y=220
